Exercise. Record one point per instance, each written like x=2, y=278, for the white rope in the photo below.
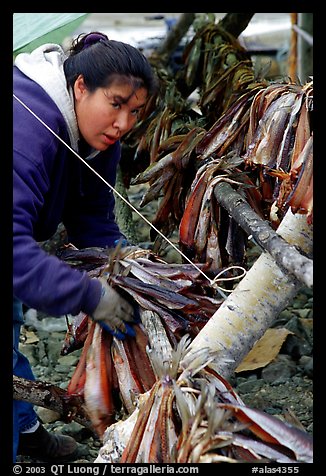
x=213, y=282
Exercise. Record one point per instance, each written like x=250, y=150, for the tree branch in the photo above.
x=287, y=256
x=50, y=396
x=235, y=23
x=166, y=48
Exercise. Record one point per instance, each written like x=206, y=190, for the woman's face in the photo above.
x=105, y=115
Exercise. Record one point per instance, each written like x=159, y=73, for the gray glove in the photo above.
x=112, y=309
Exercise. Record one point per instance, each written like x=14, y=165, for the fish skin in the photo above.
x=129, y=385
x=139, y=357
x=77, y=381
x=97, y=391
x=190, y=217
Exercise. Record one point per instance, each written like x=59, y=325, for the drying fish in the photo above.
x=299, y=184
x=111, y=374
x=268, y=139
x=77, y=381
x=225, y=130
x=167, y=176
x=276, y=143
x=131, y=363
x=206, y=234
x=98, y=395
x=177, y=292
x=271, y=431
x=88, y=258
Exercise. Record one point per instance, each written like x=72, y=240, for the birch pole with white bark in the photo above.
x=255, y=303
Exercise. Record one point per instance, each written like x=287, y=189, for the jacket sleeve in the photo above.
x=40, y=280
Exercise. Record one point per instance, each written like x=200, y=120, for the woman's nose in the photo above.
x=122, y=121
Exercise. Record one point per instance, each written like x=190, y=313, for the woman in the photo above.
x=90, y=99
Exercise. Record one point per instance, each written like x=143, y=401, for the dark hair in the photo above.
x=101, y=61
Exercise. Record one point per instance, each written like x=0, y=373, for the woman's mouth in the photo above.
x=109, y=140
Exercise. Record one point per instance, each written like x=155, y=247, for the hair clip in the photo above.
x=93, y=38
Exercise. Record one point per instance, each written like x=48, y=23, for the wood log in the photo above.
x=293, y=53
x=254, y=304
x=235, y=23
x=50, y=396
x=167, y=47
x=286, y=255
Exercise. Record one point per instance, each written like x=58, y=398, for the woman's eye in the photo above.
x=115, y=105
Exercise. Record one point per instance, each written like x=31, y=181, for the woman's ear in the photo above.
x=79, y=87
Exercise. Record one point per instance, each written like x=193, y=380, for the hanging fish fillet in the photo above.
x=98, y=384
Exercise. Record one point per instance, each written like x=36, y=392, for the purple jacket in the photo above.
x=51, y=185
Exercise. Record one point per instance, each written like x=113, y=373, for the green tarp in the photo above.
x=31, y=30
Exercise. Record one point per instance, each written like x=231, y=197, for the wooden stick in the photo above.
x=50, y=396
x=286, y=255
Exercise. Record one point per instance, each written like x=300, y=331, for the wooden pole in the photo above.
x=293, y=53
x=254, y=304
x=287, y=256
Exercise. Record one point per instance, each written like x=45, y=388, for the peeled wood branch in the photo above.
x=254, y=304
x=285, y=255
x=47, y=395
